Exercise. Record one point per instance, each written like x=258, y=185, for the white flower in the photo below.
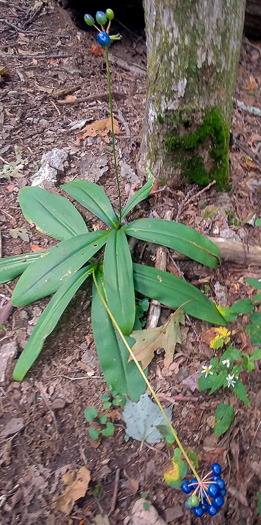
x=206, y=370
x=226, y=362
x=230, y=380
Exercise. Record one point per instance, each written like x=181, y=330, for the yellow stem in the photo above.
x=146, y=380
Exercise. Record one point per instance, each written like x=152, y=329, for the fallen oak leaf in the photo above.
x=77, y=483
x=100, y=127
x=36, y=248
x=165, y=336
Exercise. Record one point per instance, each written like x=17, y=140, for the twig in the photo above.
x=187, y=200
x=34, y=15
x=45, y=398
x=102, y=96
x=115, y=491
x=124, y=123
x=57, y=109
x=250, y=109
x=247, y=152
x=36, y=57
x=128, y=66
x=18, y=29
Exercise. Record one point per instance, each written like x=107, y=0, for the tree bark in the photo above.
x=193, y=51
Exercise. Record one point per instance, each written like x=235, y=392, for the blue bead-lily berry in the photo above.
x=207, y=493
x=89, y=20
x=103, y=39
x=101, y=18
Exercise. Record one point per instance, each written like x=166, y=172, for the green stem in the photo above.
x=112, y=128
x=145, y=379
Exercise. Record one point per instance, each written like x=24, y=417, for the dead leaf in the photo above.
x=132, y=485
x=36, y=248
x=101, y=520
x=252, y=164
x=252, y=85
x=140, y=514
x=19, y=232
x=77, y=484
x=70, y=98
x=14, y=425
x=97, y=50
x=100, y=127
x=165, y=336
x=192, y=381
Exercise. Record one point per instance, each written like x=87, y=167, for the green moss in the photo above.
x=209, y=212
x=188, y=149
x=160, y=119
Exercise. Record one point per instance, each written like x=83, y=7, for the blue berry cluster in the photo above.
x=207, y=494
x=103, y=37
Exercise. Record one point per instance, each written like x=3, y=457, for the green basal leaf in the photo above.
x=11, y=267
x=224, y=416
x=256, y=283
x=120, y=375
x=139, y=196
x=241, y=393
x=92, y=197
x=206, y=382
x=255, y=333
x=59, y=264
x=193, y=457
x=118, y=280
x=48, y=321
x=242, y=307
x=226, y=313
x=175, y=292
x=256, y=355
x=90, y=413
x=257, y=297
x=214, y=362
x=166, y=433
x=52, y=214
x=93, y=433
x=108, y=431
x=256, y=318
x=220, y=380
x=231, y=353
x=177, y=236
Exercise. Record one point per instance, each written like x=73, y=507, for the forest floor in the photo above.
x=43, y=433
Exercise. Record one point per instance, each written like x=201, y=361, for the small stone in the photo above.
x=7, y=354
x=58, y=403
x=14, y=425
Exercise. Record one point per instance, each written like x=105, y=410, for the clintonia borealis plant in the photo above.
x=62, y=269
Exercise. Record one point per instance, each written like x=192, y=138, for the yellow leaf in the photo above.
x=172, y=472
x=100, y=127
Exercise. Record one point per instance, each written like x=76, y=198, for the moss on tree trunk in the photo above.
x=193, y=51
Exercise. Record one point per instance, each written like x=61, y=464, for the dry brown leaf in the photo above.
x=251, y=163
x=36, y=248
x=100, y=127
x=165, y=336
x=251, y=84
x=146, y=517
x=97, y=50
x=77, y=484
x=70, y=98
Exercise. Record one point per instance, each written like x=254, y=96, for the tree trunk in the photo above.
x=193, y=51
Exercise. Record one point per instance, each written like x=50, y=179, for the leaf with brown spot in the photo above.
x=100, y=127
x=77, y=484
x=165, y=336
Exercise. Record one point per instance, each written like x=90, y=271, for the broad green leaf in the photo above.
x=139, y=196
x=120, y=375
x=255, y=333
x=247, y=363
x=48, y=321
x=256, y=283
x=224, y=416
x=11, y=267
x=92, y=197
x=175, y=472
x=90, y=413
x=231, y=354
x=240, y=391
x=193, y=457
x=218, y=382
x=226, y=313
x=118, y=280
x=257, y=297
x=242, y=307
x=93, y=433
x=206, y=382
x=256, y=318
x=143, y=418
x=256, y=354
x=174, y=292
x=177, y=236
x=59, y=264
x=52, y=214
x=258, y=222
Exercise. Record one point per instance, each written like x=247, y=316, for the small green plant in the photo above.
x=102, y=427
x=14, y=168
x=113, y=398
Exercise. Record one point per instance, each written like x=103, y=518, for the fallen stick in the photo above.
x=250, y=109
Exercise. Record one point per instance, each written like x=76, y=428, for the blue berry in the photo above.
x=212, y=510
x=101, y=18
x=221, y=484
x=216, y=469
x=187, y=505
x=185, y=487
x=213, y=490
x=198, y=512
x=103, y=39
x=89, y=20
x=223, y=492
x=194, y=482
x=218, y=502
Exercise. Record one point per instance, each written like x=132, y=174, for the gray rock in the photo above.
x=7, y=354
x=52, y=166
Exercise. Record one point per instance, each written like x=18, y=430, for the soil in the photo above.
x=43, y=52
